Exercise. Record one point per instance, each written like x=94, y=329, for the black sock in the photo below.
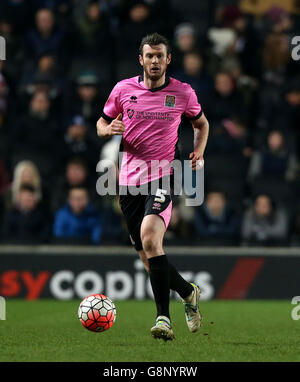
x=159, y=278
x=178, y=283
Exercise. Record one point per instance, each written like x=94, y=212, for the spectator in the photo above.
x=77, y=142
x=45, y=37
x=133, y=28
x=78, y=221
x=215, y=222
x=76, y=174
x=229, y=137
x=224, y=101
x=18, y=12
x=25, y=172
x=92, y=33
x=4, y=94
x=274, y=162
x=26, y=222
x=87, y=100
x=45, y=76
x=38, y=136
x=194, y=74
x=4, y=185
x=13, y=46
x=180, y=229
x=265, y=223
x=295, y=232
x=184, y=42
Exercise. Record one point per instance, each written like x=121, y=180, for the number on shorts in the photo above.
x=160, y=195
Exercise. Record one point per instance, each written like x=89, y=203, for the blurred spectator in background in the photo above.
x=25, y=172
x=133, y=28
x=235, y=42
x=76, y=174
x=224, y=101
x=215, y=222
x=229, y=137
x=295, y=231
x=46, y=77
x=18, y=12
x=92, y=38
x=37, y=136
x=4, y=185
x=87, y=100
x=181, y=226
x=287, y=114
x=13, y=46
x=277, y=65
x=135, y=24
x=265, y=223
x=5, y=104
x=273, y=162
x=184, y=42
x=26, y=222
x=77, y=222
x=77, y=142
x=193, y=73
x=4, y=92
x=46, y=37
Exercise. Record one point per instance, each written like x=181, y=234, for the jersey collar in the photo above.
x=167, y=81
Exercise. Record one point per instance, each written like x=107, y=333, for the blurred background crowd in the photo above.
x=62, y=59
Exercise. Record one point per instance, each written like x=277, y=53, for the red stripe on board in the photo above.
x=241, y=278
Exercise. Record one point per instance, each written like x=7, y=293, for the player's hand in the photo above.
x=196, y=160
x=117, y=127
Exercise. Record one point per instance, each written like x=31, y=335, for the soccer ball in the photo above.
x=97, y=312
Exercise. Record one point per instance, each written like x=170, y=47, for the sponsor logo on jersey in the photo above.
x=133, y=99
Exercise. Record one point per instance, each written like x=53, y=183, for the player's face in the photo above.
x=155, y=61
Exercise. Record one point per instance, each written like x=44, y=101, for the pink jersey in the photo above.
x=151, y=118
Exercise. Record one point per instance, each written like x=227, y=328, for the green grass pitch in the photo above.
x=48, y=330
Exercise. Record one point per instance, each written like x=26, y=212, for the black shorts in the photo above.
x=153, y=199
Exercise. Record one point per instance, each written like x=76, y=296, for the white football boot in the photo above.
x=192, y=315
x=162, y=329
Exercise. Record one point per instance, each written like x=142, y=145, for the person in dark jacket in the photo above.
x=76, y=174
x=45, y=37
x=216, y=222
x=77, y=221
x=265, y=223
x=26, y=222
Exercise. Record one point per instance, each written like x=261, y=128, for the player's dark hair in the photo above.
x=154, y=39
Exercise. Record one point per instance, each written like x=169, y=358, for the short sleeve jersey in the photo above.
x=152, y=118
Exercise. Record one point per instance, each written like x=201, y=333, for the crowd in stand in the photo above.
x=62, y=59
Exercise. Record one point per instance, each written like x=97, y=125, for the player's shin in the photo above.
x=159, y=278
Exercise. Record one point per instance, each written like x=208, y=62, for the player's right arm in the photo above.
x=107, y=129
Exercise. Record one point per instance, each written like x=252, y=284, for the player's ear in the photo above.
x=141, y=60
x=169, y=58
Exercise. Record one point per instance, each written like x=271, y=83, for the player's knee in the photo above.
x=150, y=245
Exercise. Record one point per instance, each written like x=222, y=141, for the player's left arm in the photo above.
x=201, y=129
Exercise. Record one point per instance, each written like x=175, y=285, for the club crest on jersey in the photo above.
x=170, y=101
x=130, y=113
